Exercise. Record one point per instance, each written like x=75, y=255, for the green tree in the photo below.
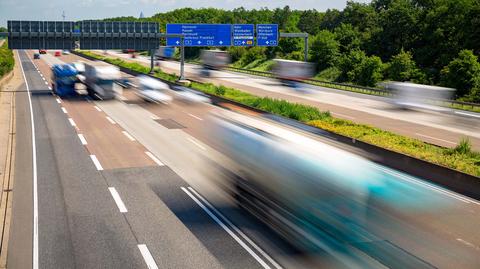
x=402, y=67
x=3, y=29
x=348, y=37
x=324, y=49
x=461, y=73
x=358, y=68
x=310, y=21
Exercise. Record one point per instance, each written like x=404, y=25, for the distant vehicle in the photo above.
x=128, y=51
x=214, y=60
x=42, y=51
x=64, y=77
x=164, y=53
x=36, y=55
x=291, y=72
x=153, y=90
x=408, y=95
x=65, y=52
x=189, y=95
x=58, y=54
x=100, y=80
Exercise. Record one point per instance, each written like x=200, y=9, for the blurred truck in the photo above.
x=64, y=78
x=407, y=95
x=99, y=78
x=291, y=72
x=214, y=60
x=165, y=53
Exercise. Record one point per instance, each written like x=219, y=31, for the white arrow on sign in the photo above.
x=243, y=42
x=267, y=42
x=178, y=42
x=199, y=42
x=221, y=42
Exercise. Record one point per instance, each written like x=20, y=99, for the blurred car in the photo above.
x=58, y=54
x=80, y=66
x=189, y=95
x=213, y=60
x=36, y=56
x=153, y=90
x=65, y=52
x=42, y=51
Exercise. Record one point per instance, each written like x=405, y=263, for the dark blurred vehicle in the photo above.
x=58, y=54
x=36, y=55
x=213, y=60
x=64, y=77
x=42, y=51
x=128, y=51
x=188, y=95
x=290, y=73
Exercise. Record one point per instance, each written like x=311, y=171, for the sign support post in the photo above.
x=152, y=59
x=299, y=35
x=182, y=58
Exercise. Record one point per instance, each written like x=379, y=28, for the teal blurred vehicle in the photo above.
x=64, y=77
x=316, y=194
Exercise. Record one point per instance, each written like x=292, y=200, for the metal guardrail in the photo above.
x=354, y=88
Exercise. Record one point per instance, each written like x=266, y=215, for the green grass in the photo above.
x=461, y=158
x=6, y=59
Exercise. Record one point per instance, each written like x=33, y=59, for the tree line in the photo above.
x=425, y=41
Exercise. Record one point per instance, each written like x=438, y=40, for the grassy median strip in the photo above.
x=6, y=59
x=461, y=158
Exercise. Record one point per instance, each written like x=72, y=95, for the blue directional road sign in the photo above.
x=200, y=35
x=267, y=34
x=243, y=34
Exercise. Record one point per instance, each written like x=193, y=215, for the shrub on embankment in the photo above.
x=6, y=59
x=461, y=158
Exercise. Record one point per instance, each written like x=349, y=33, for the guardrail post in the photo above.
x=182, y=59
x=152, y=55
x=306, y=48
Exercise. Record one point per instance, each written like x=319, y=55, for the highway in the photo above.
x=125, y=184
x=444, y=129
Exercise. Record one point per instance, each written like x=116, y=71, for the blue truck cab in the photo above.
x=64, y=77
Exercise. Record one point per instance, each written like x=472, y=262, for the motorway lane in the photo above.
x=184, y=149
x=436, y=128
x=178, y=233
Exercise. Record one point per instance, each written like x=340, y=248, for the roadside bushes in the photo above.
x=462, y=73
x=6, y=59
x=361, y=69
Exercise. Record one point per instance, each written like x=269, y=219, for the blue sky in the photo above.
x=97, y=9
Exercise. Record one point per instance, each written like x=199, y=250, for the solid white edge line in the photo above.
x=431, y=137
x=147, y=256
x=34, y=160
x=197, y=144
x=82, y=139
x=97, y=108
x=243, y=235
x=72, y=122
x=110, y=120
x=467, y=114
x=116, y=197
x=193, y=116
x=64, y=110
x=96, y=162
x=128, y=136
x=155, y=159
x=228, y=230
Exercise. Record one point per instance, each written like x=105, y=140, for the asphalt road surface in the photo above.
x=124, y=184
x=444, y=129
